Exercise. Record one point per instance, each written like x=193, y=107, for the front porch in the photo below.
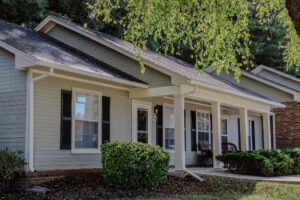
x=185, y=119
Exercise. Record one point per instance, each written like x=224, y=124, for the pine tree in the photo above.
x=266, y=39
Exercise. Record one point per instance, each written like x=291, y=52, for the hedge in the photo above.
x=134, y=165
x=263, y=162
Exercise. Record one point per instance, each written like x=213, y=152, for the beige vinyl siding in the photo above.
x=261, y=88
x=47, y=153
x=109, y=56
x=280, y=79
x=12, y=103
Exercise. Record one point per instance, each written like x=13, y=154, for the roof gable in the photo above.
x=278, y=77
x=45, y=49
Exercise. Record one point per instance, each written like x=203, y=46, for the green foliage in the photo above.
x=212, y=32
x=262, y=162
x=134, y=165
x=29, y=13
x=266, y=41
x=295, y=155
x=9, y=162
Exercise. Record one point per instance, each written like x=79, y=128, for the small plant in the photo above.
x=134, y=165
x=263, y=162
x=9, y=162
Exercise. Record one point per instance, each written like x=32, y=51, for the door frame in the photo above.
x=136, y=104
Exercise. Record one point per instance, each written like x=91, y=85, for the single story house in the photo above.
x=280, y=87
x=66, y=89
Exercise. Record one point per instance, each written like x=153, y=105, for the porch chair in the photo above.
x=206, y=155
x=228, y=147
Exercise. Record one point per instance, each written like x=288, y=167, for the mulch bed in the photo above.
x=93, y=187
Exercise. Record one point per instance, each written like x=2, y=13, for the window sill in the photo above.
x=85, y=151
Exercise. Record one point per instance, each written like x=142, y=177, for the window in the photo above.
x=250, y=145
x=251, y=134
x=224, y=135
x=142, y=125
x=86, y=121
x=141, y=122
x=169, y=137
x=203, y=127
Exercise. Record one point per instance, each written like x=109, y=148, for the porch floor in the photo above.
x=223, y=173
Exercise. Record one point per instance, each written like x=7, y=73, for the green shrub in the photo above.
x=127, y=164
x=295, y=155
x=262, y=162
x=9, y=162
x=243, y=162
x=282, y=162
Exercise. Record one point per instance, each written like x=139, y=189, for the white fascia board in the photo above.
x=239, y=94
x=22, y=60
x=81, y=72
x=263, y=67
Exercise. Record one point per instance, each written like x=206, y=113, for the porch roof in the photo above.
x=41, y=47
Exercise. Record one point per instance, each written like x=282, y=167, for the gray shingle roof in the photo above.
x=167, y=62
x=45, y=48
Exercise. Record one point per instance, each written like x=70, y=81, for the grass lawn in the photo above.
x=233, y=189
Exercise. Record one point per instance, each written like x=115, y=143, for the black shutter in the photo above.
x=105, y=119
x=66, y=119
x=185, y=130
x=159, y=125
x=193, y=131
x=211, y=130
x=239, y=133
x=253, y=134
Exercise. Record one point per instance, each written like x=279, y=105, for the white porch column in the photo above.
x=216, y=126
x=244, y=129
x=266, y=129
x=179, y=156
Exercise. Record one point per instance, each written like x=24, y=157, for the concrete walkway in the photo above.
x=223, y=173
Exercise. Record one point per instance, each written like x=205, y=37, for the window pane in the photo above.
x=169, y=138
x=86, y=135
x=169, y=118
x=224, y=127
x=142, y=119
x=203, y=137
x=86, y=106
x=203, y=121
x=224, y=139
x=142, y=137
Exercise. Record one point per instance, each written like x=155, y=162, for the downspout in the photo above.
x=189, y=172
x=31, y=116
